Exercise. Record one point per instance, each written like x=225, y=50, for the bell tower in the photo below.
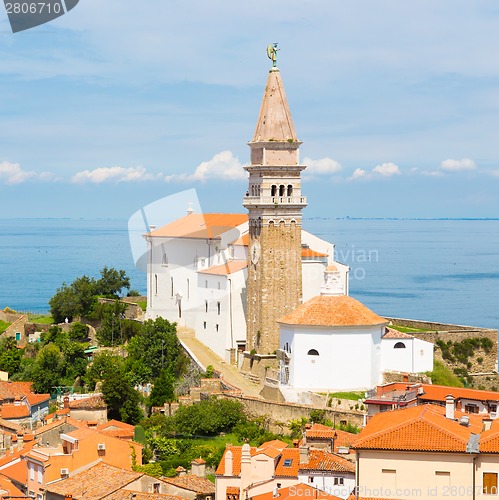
x=274, y=202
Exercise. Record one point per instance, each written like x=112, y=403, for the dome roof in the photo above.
x=333, y=310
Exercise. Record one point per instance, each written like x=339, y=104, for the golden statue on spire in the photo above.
x=272, y=53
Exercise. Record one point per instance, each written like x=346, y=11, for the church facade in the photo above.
x=258, y=284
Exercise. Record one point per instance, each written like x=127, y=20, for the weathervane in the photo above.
x=272, y=53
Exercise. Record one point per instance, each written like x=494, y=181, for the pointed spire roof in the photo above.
x=274, y=122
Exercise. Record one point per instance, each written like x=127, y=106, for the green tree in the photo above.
x=102, y=365
x=10, y=356
x=157, y=345
x=163, y=390
x=112, y=282
x=74, y=300
x=78, y=332
x=47, y=369
x=121, y=398
x=110, y=331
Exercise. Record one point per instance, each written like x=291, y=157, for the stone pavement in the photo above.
x=206, y=357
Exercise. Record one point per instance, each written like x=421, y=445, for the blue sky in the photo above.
x=120, y=103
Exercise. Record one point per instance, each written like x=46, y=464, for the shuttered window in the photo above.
x=490, y=483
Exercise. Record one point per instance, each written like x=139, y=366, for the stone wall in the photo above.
x=285, y=412
x=132, y=311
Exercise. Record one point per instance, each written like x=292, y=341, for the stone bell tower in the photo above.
x=274, y=202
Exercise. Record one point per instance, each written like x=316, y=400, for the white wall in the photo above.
x=349, y=357
x=325, y=482
x=416, y=357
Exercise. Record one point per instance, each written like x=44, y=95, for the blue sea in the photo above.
x=438, y=270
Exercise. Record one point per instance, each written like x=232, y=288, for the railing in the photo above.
x=275, y=200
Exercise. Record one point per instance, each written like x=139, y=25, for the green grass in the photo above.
x=406, y=329
x=441, y=375
x=43, y=320
x=142, y=304
x=4, y=325
x=354, y=396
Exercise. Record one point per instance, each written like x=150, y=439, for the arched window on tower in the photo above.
x=313, y=352
x=273, y=190
x=290, y=190
x=399, y=345
x=281, y=190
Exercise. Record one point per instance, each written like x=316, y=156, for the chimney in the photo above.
x=228, y=463
x=449, y=407
x=487, y=424
x=304, y=454
x=66, y=401
x=245, y=466
x=198, y=467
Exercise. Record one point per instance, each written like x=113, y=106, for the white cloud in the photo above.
x=458, y=165
x=114, y=174
x=388, y=169
x=324, y=166
x=223, y=165
x=12, y=173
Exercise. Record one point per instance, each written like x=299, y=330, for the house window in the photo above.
x=399, y=345
x=313, y=352
x=205, y=306
x=165, y=260
x=18, y=336
x=155, y=487
x=216, y=328
x=339, y=481
x=32, y=472
x=493, y=408
x=273, y=190
x=218, y=308
x=311, y=479
x=290, y=190
x=204, y=325
x=281, y=190
x=40, y=475
x=288, y=462
x=471, y=408
x=490, y=483
x=171, y=286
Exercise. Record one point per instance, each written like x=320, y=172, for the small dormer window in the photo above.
x=399, y=345
x=313, y=352
x=287, y=462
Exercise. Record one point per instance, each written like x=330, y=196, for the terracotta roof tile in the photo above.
x=236, y=460
x=299, y=490
x=418, y=428
x=17, y=453
x=340, y=310
x=113, y=424
x=200, y=226
x=12, y=411
x=391, y=333
x=91, y=403
x=191, y=482
x=11, y=390
x=35, y=399
x=229, y=267
x=319, y=431
x=7, y=485
x=308, y=252
x=17, y=471
x=6, y=424
x=232, y=490
x=125, y=494
x=95, y=482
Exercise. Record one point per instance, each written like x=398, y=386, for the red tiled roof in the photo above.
x=232, y=490
x=97, y=481
x=11, y=411
x=56, y=423
x=242, y=240
x=11, y=426
x=319, y=460
x=91, y=403
x=17, y=471
x=200, y=226
x=11, y=390
x=35, y=399
x=326, y=310
x=125, y=494
x=319, y=431
x=417, y=428
x=308, y=252
x=7, y=485
x=391, y=333
x=191, y=482
x=270, y=448
x=299, y=490
x=113, y=425
x=230, y=267
x=17, y=453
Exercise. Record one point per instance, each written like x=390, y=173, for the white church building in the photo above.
x=334, y=342
x=197, y=272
